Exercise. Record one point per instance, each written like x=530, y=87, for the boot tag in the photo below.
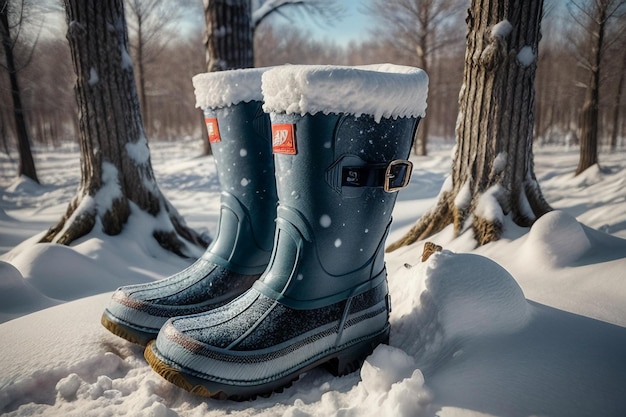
x=213, y=129
x=284, y=139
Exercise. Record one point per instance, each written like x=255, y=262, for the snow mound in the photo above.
x=383, y=90
x=556, y=239
x=474, y=296
x=25, y=186
x=41, y=269
x=227, y=88
x=17, y=296
x=4, y=216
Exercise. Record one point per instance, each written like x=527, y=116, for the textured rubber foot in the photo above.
x=341, y=363
x=125, y=332
x=351, y=359
x=177, y=377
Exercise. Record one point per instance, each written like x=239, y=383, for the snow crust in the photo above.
x=139, y=150
x=464, y=197
x=383, y=90
x=487, y=205
x=501, y=29
x=499, y=163
x=93, y=77
x=127, y=61
x=526, y=56
x=227, y=88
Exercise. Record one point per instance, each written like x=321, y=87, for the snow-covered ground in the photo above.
x=533, y=324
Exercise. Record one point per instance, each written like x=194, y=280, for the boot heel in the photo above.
x=350, y=359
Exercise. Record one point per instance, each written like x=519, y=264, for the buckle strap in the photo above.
x=392, y=177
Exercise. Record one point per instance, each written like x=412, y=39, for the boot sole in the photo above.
x=133, y=335
x=339, y=363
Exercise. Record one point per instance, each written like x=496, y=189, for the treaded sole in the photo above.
x=341, y=363
x=125, y=332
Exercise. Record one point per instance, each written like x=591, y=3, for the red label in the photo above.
x=213, y=129
x=284, y=139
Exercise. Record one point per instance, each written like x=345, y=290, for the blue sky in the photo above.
x=353, y=25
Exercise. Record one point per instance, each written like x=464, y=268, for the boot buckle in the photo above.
x=397, y=175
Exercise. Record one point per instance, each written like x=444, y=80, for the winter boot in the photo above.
x=341, y=137
x=239, y=132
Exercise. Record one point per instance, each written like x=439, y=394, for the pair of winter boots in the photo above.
x=309, y=159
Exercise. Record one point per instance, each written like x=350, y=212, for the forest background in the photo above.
x=166, y=44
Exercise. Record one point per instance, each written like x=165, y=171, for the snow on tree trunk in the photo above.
x=492, y=174
x=116, y=171
x=229, y=41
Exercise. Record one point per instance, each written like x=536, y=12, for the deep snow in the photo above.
x=530, y=325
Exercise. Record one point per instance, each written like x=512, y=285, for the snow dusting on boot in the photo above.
x=382, y=90
x=227, y=88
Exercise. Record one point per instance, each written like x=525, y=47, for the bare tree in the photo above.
x=492, y=172
x=281, y=44
x=172, y=104
x=231, y=25
x=321, y=11
x=420, y=29
x=12, y=19
x=554, y=109
x=116, y=172
x=618, y=100
x=595, y=19
x=151, y=24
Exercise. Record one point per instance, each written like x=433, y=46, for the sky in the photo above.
x=353, y=24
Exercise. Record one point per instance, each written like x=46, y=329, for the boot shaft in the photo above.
x=239, y=135
x=336, y=175
x=337, y=183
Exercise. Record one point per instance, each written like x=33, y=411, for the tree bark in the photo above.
x=421, y=136
x=141, y=81
x=589, y=114
x=116, y=172
x=492, y=173
x=616, y=104
x=26, y=165
x=229, y=41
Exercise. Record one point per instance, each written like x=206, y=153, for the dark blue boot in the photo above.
x=240, y=141
x=323, y=298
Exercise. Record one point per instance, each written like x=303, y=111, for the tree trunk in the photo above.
x=589, y=114
x=141, y=76
x=492, y=173
x=229, y=39
x=616, y=104
x=116, y=172
x=26, y=164
x=229, y=42
x=421, y=136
